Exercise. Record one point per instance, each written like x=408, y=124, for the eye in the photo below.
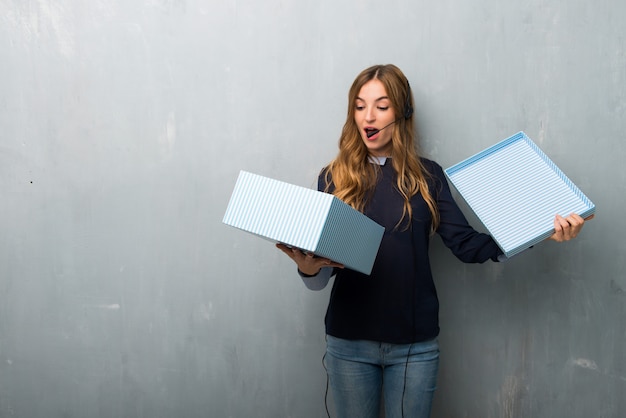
x=383, y=108
x=359, y=107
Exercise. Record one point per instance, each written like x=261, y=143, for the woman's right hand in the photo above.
x=308, y=263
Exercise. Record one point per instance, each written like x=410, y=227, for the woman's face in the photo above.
x=373, y=111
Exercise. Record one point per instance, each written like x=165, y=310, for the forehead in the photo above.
x=373, y=90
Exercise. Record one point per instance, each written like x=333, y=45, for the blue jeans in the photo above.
x=363, y=372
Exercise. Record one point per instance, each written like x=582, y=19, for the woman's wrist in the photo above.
x=307, y=274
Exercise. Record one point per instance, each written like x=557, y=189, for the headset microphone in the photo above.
x=375, y=131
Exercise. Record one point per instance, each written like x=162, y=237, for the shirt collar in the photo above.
x=377, y=160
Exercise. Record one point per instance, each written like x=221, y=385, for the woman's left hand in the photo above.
x=568, y=228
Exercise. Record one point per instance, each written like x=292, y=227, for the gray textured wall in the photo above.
x=123, y=125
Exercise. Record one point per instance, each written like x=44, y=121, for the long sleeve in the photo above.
x=319, y=281
x=467, y=244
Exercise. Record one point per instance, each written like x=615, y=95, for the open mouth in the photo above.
x=370, y=132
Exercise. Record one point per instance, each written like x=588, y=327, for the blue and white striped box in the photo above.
x=304, y=218
x=516, y=190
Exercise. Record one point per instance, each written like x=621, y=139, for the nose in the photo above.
x=369, y=115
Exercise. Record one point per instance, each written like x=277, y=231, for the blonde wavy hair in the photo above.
x=354, y=177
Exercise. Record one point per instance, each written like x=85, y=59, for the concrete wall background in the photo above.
x=124, y=125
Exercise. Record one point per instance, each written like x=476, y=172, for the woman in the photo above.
x=382, y=329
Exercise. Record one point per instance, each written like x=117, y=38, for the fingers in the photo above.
x=568, y=228
x=285, y=249
x=293, y=253
x=307, y=262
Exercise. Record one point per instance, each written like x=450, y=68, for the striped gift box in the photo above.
x=304, y=218
x=515, y=190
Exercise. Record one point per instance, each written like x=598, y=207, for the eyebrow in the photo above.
x=377, y=100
